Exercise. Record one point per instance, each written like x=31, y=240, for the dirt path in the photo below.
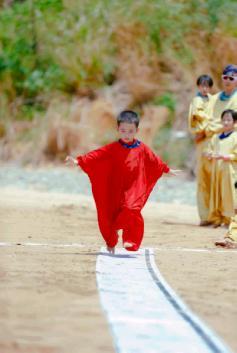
x=48, y=293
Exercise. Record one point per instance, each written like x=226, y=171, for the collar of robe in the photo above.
x=224, y=97
x=134, y=144
x=199, y=94
x=224, y=135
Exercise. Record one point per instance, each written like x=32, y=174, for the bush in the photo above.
x=50, y=45
x=167, y=99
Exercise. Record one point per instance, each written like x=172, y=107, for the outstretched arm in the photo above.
x=175, y=172
x=71, y=161
x=92, y=159
x=87, y=161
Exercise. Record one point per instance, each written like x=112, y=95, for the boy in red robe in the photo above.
x=122, y=175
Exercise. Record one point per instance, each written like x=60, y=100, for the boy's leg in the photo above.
x=134, y=234
x=111, y=250
x=132, y=223
x=110, y=236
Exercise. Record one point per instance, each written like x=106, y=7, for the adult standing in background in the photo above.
x=199, y=114
x=226, y=99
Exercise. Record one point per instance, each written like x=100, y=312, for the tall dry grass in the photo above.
x=70, y=66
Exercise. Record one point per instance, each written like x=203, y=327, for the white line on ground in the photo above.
x=195, y=250
x=72, y=245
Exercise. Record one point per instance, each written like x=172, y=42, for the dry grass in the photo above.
x=137, y=62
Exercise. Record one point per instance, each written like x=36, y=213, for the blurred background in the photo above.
x=67, y=68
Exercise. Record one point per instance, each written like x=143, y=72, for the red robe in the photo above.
x=122, y=177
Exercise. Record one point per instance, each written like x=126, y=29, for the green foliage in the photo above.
x=162, y=139
x=29, y=109
x=32, y=71
x=173, y=150
x=50, y=45
x=167, y=99
x=178, y=151
x=213, y=10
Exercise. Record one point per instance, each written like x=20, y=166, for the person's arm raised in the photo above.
x=71, y=161
x=175, y=172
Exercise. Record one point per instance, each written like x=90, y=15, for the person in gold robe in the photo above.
x=226, y=99
x=222, y=152
x=199, y=114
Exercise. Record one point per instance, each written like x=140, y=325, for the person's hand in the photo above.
x=224, y=157
x=208, y=155
x=175, y=172
x=200, y=136
x=216, y=156
x=70, y=160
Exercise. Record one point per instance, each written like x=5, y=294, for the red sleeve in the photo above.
x=93, y=158
x=163, y=166
x=155, y=163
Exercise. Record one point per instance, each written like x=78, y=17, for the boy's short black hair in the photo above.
x=128, y=116
x=232, y=112
x=205, y=80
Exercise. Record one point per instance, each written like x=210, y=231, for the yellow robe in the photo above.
x=216, y=108
x=205, y=116
x=223, y=179
x=232, y=231
x=199, y=115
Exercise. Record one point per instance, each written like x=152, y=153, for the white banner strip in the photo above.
x=72, y=245
x=144, y=313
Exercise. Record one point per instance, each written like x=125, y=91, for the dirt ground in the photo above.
x=49, y=300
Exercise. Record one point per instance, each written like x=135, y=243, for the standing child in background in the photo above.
x=222, y=152
x=122, y=176
x=230, y=239
x=199, y=115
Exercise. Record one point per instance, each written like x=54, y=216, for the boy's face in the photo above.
x=228, y=122
x=204, y=89
x=127, y=131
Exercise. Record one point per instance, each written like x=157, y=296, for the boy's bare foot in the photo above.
x=226, y=243
x=120, y=232
x=111, y=250
x=126, y=244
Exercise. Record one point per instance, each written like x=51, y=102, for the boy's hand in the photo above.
x=175, y=172
x=70, y=160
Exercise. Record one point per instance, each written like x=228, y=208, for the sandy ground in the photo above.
x=49, y=300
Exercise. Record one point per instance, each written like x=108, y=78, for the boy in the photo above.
x=222, y=153
x=122, y=176
x=199, y=114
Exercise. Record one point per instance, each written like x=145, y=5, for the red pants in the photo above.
x=132, y=224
